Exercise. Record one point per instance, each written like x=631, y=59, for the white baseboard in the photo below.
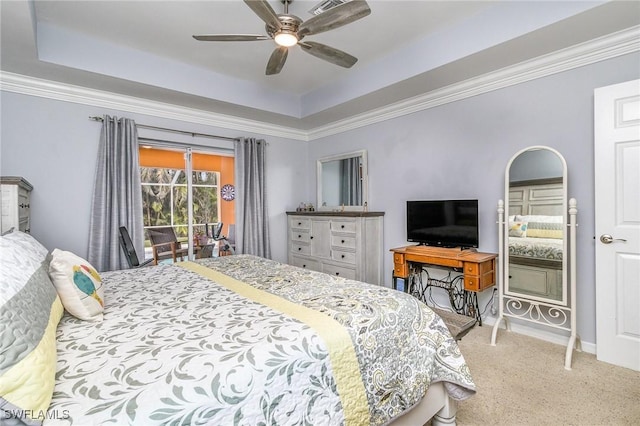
x=546, y=335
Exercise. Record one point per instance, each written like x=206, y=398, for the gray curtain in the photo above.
x=351, y=184
x=252, y=220
x=117, y=195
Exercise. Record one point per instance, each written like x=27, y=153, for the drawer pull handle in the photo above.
x=342, y=256
x=342, y=226
x=304, y=266
x=337, y=273
x=311, y=237
x=299, y=248
x=299, y=236
x=299, y=223
x=342, y=241
x=23, y=205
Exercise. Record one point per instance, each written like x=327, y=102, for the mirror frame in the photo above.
x=565, y=254
x=365, y=182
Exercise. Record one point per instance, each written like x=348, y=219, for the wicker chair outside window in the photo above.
x=165, y=245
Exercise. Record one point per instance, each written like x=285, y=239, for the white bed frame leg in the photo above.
x=447, y=415
x=436, y=406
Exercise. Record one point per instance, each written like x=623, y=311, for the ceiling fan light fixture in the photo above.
x=286, y=38
x=287, y=30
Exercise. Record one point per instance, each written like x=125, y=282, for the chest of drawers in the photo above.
x=346, y=244
x=15, y=204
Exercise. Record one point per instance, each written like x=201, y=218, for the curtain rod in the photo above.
x=164, y=129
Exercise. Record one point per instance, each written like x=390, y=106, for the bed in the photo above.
x=536, y=238
x=231, y=340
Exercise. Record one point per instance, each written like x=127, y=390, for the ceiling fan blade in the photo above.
x=335, y=17
x=265, y=12
x=277, y=60
x=230, y=37
x=329, y=54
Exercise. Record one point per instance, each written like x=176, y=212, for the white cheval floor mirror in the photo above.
x=536, y=233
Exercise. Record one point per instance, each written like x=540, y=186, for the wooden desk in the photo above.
x=478, y=269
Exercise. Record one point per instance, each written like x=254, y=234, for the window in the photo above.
x=164, y=189
x=164, y=198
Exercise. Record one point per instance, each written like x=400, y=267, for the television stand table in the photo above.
x=478, y=273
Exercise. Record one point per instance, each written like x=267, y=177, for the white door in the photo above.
x=617, y=216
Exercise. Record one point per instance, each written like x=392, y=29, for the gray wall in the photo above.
x=53, y=145
x=461, y=150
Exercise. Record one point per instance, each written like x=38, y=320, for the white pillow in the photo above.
x=518, y=229
x=540, y=218
x=78, y=284
x=28, y=244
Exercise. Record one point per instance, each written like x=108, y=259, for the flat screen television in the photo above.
x=443, y=223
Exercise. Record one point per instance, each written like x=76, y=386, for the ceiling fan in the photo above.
x=288, y=30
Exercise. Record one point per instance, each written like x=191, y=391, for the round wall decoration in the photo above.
x=228, y=192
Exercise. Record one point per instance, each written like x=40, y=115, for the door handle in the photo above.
x=608, y=239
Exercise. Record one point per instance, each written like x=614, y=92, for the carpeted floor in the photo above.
x=522, y=381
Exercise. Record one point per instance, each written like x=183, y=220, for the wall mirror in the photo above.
x=536, y=212
x=536, y=233
x=342, y=182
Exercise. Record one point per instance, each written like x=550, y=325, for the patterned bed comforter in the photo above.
x=537, y=248
x=249, y=341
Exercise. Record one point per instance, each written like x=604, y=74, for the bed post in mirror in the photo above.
x=537, y=245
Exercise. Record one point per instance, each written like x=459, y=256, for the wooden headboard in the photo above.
x=536, y=197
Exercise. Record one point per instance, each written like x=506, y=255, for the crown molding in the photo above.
x=32, y=86
x=600, y=49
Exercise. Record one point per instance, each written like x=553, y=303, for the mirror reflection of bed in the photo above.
x=536, y=225
x=536, y=237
